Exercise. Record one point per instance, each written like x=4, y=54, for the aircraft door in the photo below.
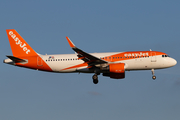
x=39, y=61
x=153, y=57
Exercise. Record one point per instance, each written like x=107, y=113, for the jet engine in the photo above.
x=116, y=71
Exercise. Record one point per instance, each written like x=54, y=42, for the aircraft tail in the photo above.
x=19, y=47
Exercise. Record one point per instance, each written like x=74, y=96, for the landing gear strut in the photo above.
x=95, y=79
x=153, y=77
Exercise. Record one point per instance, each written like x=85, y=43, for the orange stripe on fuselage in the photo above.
x=131, y=55
x=76, y=66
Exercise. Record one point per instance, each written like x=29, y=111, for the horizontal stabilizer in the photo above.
x=16, y=60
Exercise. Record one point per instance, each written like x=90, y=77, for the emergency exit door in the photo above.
x=153, y=57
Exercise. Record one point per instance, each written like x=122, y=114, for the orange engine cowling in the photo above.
x=116, y=71
x=116, y=68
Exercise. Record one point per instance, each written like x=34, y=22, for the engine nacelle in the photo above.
x=116, y=71
x=116, y=68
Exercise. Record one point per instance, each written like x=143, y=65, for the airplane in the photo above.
x=110, y=64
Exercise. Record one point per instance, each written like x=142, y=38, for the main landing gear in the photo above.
x=95, y=78
x=153, y=77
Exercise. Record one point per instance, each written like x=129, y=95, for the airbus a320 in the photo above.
x=110, y=64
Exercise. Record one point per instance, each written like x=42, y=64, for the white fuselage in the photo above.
x=59, y=63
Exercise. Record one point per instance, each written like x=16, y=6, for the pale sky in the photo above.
x=93, y=26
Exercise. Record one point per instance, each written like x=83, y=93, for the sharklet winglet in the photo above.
x=70, y=43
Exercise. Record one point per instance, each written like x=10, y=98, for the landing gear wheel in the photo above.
x=153, y=77
x=95, y=79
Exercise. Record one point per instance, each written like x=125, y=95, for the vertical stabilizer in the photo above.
x=19, y=47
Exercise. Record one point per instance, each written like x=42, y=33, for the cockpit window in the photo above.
x=165, y=56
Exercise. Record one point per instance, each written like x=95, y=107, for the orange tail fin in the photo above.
x=19, y=47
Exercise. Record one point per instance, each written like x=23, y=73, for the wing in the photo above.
x=86, y=57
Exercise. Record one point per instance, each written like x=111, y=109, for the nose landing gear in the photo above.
x=153, y=77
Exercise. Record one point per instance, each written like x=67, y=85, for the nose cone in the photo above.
x=173, y=62
x=168, y=62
